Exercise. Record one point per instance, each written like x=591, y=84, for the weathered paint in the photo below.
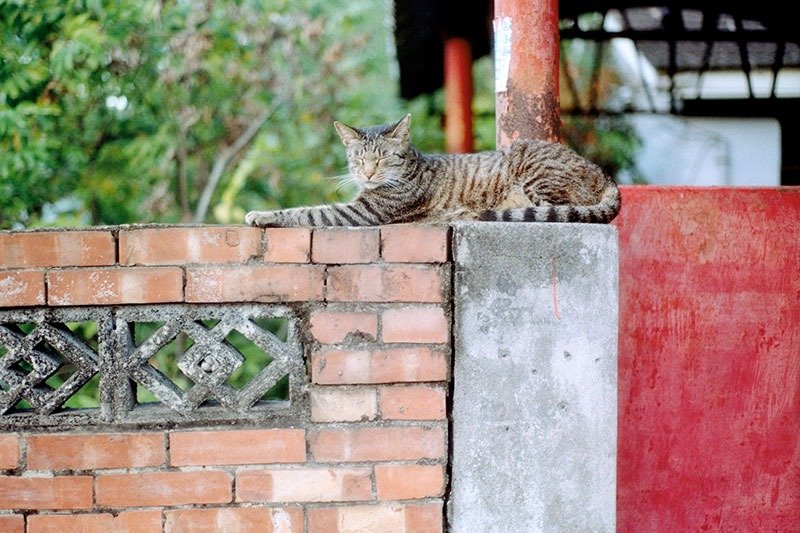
x=528, y=107
x=709, y=421
x=458, y=96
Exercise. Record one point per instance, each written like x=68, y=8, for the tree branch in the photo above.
x=183, y=190
x=224, y=158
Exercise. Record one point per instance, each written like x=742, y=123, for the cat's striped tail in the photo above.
x=602, y=212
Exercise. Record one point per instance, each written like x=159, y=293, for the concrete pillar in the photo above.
x=534, y=421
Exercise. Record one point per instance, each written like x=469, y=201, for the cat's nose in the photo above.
x=368, y=171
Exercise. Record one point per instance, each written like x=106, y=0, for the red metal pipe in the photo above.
x=526, y=70
x=458, y=95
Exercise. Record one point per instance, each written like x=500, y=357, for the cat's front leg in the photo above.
x=262, y=219
x=356, y=213
x=284, y=218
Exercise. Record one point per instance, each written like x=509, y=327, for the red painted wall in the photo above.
x=709, y=427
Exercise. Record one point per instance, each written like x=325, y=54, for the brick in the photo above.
x=408, y=482
x=55, y=493
x=235, y=520
x=238, y=447
x=163, y=488
x=125, y=522
x=386, y=518
x=425, y=518
x=345, y=245
x=333, y=327
x=323, y=520
x=181, y=245
x=339, y=404
x=9, y=451
x=57, y=249
x=386, y=283
x=398, y=365
x=415, y=324
x=380, y=518
x=408, y=443
x=304, y=485
x=268, y=283
x=95, y=451
x=414, y=244
x=416, y=402
x=22, y=288
x=133, y=285
x=12, y=523
x=288, y=245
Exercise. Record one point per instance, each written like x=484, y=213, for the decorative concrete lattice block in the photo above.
x=151, y=364
x=37, y=345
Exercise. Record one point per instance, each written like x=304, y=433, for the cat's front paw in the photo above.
x=262, y=219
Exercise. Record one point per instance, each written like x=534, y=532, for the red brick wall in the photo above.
x=373, y=456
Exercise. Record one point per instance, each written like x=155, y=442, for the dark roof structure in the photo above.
x=705, y=39
x=679, y=37
x=675, y=36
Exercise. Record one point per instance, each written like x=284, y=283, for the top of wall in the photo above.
x=210, y=264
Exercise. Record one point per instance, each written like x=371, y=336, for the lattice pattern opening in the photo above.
x=149, y=365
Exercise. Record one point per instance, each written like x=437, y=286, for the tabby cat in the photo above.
x=528, y=181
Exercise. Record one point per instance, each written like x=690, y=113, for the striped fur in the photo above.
x=529, y=181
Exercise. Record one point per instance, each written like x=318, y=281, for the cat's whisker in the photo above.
x=343, y=177
x=345, y=183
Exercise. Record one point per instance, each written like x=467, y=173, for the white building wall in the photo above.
x=709, y=151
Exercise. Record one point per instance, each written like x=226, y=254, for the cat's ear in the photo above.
x=347, y=133
x=400, y=130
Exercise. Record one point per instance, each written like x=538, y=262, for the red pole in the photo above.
x=526, y=70
x=458, y=95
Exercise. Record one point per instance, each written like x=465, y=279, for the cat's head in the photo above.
x=377, y=155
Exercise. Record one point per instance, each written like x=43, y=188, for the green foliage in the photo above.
x=590, y=83
x=610, y=141
x=131, y=109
